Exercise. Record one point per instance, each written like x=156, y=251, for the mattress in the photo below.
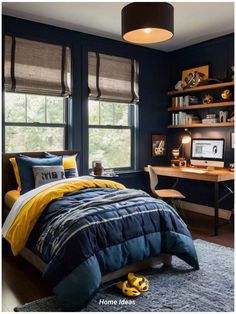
x=151, y=262
x=11, y=197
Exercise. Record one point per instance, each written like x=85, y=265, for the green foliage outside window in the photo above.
x=110, y=134
x=23, y=111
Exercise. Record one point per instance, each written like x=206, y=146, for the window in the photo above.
x=34, y=123
x=111, y=134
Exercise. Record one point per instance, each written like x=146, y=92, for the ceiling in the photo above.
x=194, y=21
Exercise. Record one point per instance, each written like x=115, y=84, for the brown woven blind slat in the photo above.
x=116, y=79
x=37, y=68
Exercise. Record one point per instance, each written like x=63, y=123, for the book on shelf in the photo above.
x=209, y=120
x=183, y=118
x=180, y=101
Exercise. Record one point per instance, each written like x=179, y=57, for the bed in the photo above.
x=96, y=231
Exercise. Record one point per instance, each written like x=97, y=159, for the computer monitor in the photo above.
x=207, y=152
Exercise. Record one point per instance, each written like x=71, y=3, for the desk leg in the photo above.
x=216, y=222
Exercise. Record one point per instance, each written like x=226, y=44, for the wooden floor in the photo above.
x=22, y=283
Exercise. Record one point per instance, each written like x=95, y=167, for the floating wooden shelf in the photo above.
x=200, y=88
x=201, y=125
x=202, y=106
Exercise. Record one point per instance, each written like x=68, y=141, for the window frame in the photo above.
x=132, y=121
x=64, y=125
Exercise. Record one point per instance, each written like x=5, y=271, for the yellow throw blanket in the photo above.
x=23, y=224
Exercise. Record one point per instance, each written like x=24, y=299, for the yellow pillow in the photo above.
x=70, y=166
x=16, y=171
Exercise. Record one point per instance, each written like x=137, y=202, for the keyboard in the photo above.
x=193, y=170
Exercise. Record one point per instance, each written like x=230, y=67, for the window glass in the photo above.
x=121, y=114
x=55, y=110
x=106, y=113
x=34, y=122
x=35, y=108
x=94, y=112
x=15, y=111
x=33, y=139
x=110, y=134
x=111, y=146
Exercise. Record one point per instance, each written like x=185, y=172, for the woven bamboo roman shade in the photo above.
x=112, y=78
x=36, y=68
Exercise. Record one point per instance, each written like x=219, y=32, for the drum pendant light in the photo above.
x=147, y=22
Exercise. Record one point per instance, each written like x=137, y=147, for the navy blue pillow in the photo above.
x=69, y=172
x=25, y=164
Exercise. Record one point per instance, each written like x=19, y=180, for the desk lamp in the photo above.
x=186, y=139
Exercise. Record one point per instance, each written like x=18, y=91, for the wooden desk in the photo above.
x=216, y=176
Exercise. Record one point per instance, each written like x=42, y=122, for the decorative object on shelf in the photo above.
x=231, y=167
x=147, y=22
x=180, y=85
x=193, y=100
x=158, y=145
x=232, y=141
x=207, y=99
x=181, y=162
x=97, y=167
x=175, y=153
x=226, y=94
x=223, y=116
x=193, y=77
x=231, y=117
x=210, y=118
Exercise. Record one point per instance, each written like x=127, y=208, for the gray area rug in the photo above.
x=175, y=289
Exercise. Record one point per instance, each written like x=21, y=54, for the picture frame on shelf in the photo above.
x=193, y=76
x=158, y=145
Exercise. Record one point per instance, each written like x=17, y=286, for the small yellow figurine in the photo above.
x=226, y=94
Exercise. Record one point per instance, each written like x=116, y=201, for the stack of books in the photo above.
x=210, y=118
x=183, y=118
x=181, y=101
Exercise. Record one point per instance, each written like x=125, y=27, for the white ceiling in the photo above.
x=194, y=21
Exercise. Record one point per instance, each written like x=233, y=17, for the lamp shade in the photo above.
x=186, y=139
x=147, y=22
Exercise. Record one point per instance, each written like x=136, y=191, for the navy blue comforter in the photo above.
x=94, y=231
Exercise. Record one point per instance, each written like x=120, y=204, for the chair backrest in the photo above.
x=153, y=178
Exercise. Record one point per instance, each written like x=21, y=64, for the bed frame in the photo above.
x=9, y=183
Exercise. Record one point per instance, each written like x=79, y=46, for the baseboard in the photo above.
x=205, y=210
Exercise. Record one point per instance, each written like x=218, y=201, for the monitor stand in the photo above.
x=207, y=163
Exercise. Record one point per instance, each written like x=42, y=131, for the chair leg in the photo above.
x=179, y=208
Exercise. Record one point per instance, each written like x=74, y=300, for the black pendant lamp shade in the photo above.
x=147, y=22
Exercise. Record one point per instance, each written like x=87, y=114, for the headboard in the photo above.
x=8, y=176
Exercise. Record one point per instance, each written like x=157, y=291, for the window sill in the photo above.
x=120, y=172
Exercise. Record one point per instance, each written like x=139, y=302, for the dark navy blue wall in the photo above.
x=153, y=84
